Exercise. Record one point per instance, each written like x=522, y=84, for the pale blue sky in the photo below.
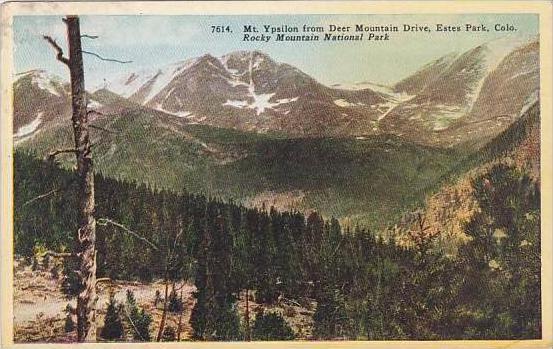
x=151, y=41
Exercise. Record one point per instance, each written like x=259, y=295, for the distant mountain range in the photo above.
x=456, y=99
x=246, y=127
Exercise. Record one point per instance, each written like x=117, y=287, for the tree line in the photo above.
x=365, y=286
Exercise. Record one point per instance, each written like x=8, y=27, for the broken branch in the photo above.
x=58, y=49
x=92, y=111
x=105, y=59
x=89, y=36
x=56, y=152
x=42, y=196
x=56, y=254
x=105, y=221
x=102, y=129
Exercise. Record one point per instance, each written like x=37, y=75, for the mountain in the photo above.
x=252, y=92
x=245, y=127
x=459, y=99
x=370, y=180
x=468, y=98
x=448, y=210
x=38, y=98
x=42, y=101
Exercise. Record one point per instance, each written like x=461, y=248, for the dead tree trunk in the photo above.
x=164, y=314
x=179, y=328
x=86, y=234
x=247, y=316
x=85, y=250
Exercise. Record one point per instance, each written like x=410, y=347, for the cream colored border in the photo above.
x=543, y=8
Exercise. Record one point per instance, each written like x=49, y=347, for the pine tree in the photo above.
x=330, y=319
x=69, y=324
x=139, y=320
x=113, y=326
x=214, y=316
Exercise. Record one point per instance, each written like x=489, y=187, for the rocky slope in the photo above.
x=250, y=91
x=459, y=99
x=468, y=98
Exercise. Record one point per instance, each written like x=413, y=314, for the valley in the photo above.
x=243, y=125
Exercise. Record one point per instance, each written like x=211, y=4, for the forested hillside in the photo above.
x=364, y=286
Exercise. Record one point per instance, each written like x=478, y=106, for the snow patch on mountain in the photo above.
x=29, y=128
x=530, y=101
x=237, y=104
x=158, y=79
x=259, y=101
x=44, y=81
x=495, y=51
x=390, y=105
x=445, y=115
x=387, y=91
x=94, y=104
x=165, y=76
x=356, y=86
x=180, y=114
x=344, y=103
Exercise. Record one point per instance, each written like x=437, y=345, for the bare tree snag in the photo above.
x=86, y=233
x=85, y=249
x=105, y=221
x=164, y=313
x=179, y=327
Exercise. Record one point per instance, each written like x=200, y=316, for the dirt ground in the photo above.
x=39, y=306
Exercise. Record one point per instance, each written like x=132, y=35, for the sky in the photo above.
x=155, y=41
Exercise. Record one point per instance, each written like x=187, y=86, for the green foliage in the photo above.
x=70, y=285
x=330, y=318
x=502, y=261
x=138, y=319
x=169, y=334
x=214, y=316
x=372, y=180
x=69, y=324
x=271, y=327
x=113, y=326
x=365, y=286
x=157, y=298
x=35, y=265
x=175, y=303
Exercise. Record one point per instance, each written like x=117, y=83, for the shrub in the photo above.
x=169, y=334
x=175, y=303
x=271, y=326
x=157, y=298
x=34, y=266
x=69, y=325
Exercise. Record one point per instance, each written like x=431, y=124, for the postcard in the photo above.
x=277, y=174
